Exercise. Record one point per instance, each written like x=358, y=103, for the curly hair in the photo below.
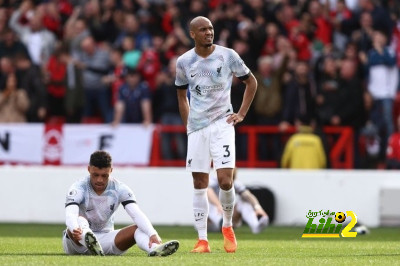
x=100, y=159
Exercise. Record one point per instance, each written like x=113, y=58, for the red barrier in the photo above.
x=340, y=154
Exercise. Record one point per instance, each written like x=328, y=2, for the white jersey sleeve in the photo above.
x=180, y=79
x=75, y=195
x=238, y=67
x=126, y=195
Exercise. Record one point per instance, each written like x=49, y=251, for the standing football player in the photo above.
x=89, y=209
x=207, y=71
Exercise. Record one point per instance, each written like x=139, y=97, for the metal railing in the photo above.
x=340, y=151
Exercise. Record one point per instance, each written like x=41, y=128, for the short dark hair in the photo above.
x=100, y=159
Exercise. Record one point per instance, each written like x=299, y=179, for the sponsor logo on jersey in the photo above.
x=212, y=88
x=200, y=90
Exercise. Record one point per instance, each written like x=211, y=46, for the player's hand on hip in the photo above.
x=235, y=118
x=154, y=239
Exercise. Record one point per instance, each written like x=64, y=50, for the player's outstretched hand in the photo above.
x=235, y=118
x=154, y=239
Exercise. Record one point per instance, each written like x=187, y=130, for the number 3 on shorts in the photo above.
x=227, y=152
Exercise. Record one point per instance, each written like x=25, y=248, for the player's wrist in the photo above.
x=241, y=114
x=154, y=234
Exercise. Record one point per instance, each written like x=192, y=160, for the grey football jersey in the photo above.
x=99, y=209
x=209, y=82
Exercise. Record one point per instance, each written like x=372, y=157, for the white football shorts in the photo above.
x=215, y=143
x=106, y=240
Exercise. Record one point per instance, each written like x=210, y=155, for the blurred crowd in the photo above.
x=334, y=62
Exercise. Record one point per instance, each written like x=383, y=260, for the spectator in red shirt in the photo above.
x=299, y=39
x=289, y=16
x=149, y=66
x=52, y=18
x=342, y=12
x=323, y=31
x=396, y=40
x=269, y=47
x=56, y=83
x=115, y=78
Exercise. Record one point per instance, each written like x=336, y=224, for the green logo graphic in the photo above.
x=326, y=227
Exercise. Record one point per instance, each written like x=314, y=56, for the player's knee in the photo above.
x=200, y=181
x=200, y=184
x=225, y=183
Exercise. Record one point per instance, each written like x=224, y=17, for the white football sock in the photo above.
x=200, y=210
x=142, y=241
x=227, y=199
x=84, y=225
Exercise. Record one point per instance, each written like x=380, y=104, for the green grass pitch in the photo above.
x=40, y=244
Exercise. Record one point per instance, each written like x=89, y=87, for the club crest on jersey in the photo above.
x=198, y=90
x=219, y=71
x=189, y=163
x=112, y=207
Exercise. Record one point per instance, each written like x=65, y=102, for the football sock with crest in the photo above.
x=227, y=199
x=200, y=209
